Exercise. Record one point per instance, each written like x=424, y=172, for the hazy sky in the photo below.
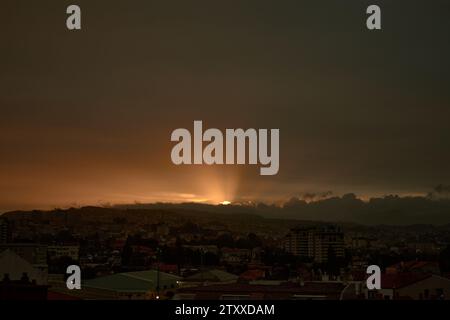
x=86, y=116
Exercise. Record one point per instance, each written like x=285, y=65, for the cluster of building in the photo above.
x=173, y=259
x=316, y=243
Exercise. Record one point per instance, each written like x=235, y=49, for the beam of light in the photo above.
x=218, y=184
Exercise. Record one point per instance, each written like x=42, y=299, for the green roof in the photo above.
x=140, y=281
x=214, y=275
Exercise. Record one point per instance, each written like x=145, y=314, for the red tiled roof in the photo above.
x=142, y=249
x=168, y=268
x=392, y=281
x=411, y=265
x=119, y=244
x=288, y=287
x=253, y=274
x=421, y=264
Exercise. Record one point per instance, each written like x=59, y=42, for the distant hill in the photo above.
x=389, y=210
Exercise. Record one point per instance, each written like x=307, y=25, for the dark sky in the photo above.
x=86, y=116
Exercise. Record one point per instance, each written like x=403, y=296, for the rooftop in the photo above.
x=139, y=281
x=213, y=275
x=308, y=288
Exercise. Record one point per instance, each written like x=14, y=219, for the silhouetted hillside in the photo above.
x=389, y=210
